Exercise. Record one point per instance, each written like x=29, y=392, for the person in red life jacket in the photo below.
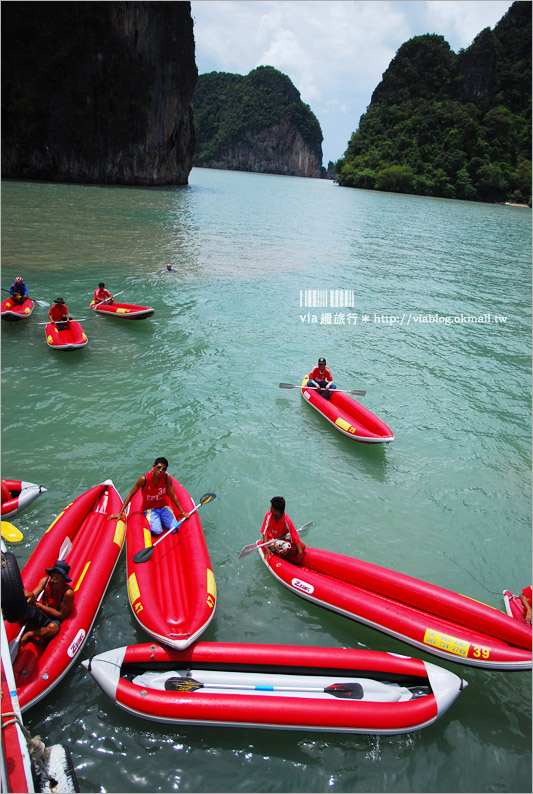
x=58, y=314
x=156, y=486
x=525, y=598
x=276, y=525
x=18, y=291
x=46, y=615
x=322, y=378
x=102, y=295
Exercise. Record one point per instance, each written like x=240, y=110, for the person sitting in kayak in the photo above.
x=58, y=314
x=46, y=615
x=276, y=525
x=102, y=295
x=6, y=493
x=322, y=378
x=18, y=291
x=525, y=598
x=156, y=485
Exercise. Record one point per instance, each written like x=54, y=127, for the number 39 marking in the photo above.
x=484, y=652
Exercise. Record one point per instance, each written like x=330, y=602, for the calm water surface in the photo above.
x=449, y=501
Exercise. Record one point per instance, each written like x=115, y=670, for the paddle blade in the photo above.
x=11, y=533
x=247, y=550
x=353, y=691
x=207, y=497
x=360, y=392
x=288, y=386
x=66, y=548
x=305, y=526
x=143, y=555
x=41, y=303
x=177, y=684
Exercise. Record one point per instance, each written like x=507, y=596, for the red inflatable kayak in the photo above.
x=348, y=416
x=93, y=551
x=276, y=686
x=126, y=311
x=69, y=338
x=13, y=311
x=429, y=617
x=172, y=594
x=22, y=494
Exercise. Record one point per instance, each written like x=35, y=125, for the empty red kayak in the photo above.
x=69, y=338
x=173, y=593
x=429, y=617
x=83, y=536
x=22, y=494
x=276, y=686
x=13, y=311
x=348, y=416
x=126, y=311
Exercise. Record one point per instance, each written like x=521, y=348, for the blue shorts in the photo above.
x=159, y=517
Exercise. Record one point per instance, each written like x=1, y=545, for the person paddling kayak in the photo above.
x=102, y=295
x=58, y=314
x=46, y=616
x=277, y=524
x=18, y=291
x=156, y=485
x=322, y=378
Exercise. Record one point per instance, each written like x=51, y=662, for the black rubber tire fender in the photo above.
x=14, y=604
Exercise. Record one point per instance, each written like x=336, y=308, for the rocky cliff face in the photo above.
x=279, y=149
x=255, y=122
x=98, y=92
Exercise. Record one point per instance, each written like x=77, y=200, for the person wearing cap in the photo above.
x=170, y=269
x=18, y=291
x=276, y=525
x=102, y=295
x=155, y=485
x=322, y=378
x=58, y=314
x=46, y=615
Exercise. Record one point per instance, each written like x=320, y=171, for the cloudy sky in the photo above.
x=334, y=51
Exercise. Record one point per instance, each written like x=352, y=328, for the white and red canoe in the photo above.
x=436, y=620
x=16, y=311
x=348, y=416
x=172, y=594
x=22, y=495
x=70, y=338
x=125, y=311
x=96, y=546
x=276, y=686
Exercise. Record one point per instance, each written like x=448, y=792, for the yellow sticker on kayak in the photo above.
x=122, y=311
x=133, y=589
x=211, y=588
x=446, y=642
x=80, y=580
x=119, y=533
x=344, y=425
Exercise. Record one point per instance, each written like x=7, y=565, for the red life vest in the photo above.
x=54, y=599
x=154, y=495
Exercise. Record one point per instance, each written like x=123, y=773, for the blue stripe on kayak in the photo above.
x=265, y=688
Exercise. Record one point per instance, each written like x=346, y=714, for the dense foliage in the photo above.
x=227, y=106
x=450, y=125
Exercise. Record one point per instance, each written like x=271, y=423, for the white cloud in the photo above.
x=334, y=51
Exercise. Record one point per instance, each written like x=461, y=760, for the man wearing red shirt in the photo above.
x=58, y=314
x=156, y=486
x=102, y=295
x=277, y=524
x=322, y=378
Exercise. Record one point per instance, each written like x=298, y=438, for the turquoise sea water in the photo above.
x=449, y=501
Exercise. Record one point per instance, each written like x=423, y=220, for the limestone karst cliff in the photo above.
x=98, y=92
x=255, y=123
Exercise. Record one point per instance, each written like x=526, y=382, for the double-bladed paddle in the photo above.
x=64, y=551
x=253, y=546
x=11, y=533
x=352, y=690
x=144, y=554
x=107, y=299
x=360, y=392
x=41, y=303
